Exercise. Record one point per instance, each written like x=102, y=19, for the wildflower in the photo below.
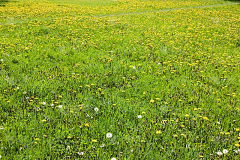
x=109, y=135
x=60, y=106
x=237, y=129
x=143, y=112
x=139, y=116
x=200, y=156
x=1, y=127
x=96, y=109
x=186, y=115
x=182, y=126
x=36, y=139
x=175, y=135
x=219, y=153
x=80, y=153
x=205, y=118
x=114, y=158
x=152, y=101
x=218, y=122
x=86, y=125
x=94, y=140
x=102, y=145
x=44, y=120
x=237, y=145
x=52, y=105
x=225, y=151
x=1, y=60
x=24, y=92
x=158, y=132
x=68, y=148
x=134, y=67
x=237, y=151
x=17, y=88
x=69, y=137
x=44, y=103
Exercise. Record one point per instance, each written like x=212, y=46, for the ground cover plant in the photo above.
x=124, y=79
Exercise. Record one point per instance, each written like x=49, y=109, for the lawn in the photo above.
x=123, y=79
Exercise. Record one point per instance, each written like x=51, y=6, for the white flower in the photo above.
x=80, y=153
x=139, y=116
x=0, y=156
x=68, y=147
x=237, y=151
x=96, y=109
x=17, y=88
x=1, y=128
x=44, y=103
x=109, y=135
x=1, y=59
x=51, y=104
x=102, y=145
x=219, y=153
x=225, y=151
x=114, y=158
x=24, y=92
x=27, y=97
x=218, y=122
x=60, y=106
x=134, y=67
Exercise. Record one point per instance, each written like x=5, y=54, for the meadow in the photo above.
x=119, y=79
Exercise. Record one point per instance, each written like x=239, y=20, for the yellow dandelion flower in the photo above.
x=182, y=126
x=86, y=125
x=158, y=132
x=143, y=112
x=36, y=139
x=237, y=145
x=205, y=118
x=152, y=101
x=94, y=140
x=227, y=133
x=237, y=129
x=186, y=115
x=44, y=120
x=175, y=135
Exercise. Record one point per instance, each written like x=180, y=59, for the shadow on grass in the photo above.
x=3, y=2
x=233, y=0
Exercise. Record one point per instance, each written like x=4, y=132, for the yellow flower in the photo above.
x=237, y=145
x=186, y=115
x=158, y=132
x=36, y=139
x=44, y=120
x=152, y=101
x=237, y=129
x=205, y=118
x=175, y=135
x=94, y=140
x=182, y=126
x=86, y=125
x=69, y=137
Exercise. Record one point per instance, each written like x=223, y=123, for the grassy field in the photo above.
x=124, y=79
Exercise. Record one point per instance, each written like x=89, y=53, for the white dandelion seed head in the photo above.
x=139, y=116
x=24, y=92
x=134, y=67
x=109, y=135
x=219, y=153
x=96, y=109
x=60, y=106
x=225, y=151
x=44, y=103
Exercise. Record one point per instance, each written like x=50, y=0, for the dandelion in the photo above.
x=1, y=60
x=102, y=145
x=60, y=106
x=68, y=148
x=36, y=139
x=219, y=153
x=44, y=120
x=225, y=151
x=17, y=88
x=96, y=109
x=52, y=105
x=139, y=116
x=113, y=158
x=158, y=132
x=152, y=101
x=94, y=140
x=44, y=103
x=134, y=67
x=109, y=135
x=24, y=92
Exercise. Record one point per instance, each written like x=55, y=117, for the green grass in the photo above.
x=164, y=83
